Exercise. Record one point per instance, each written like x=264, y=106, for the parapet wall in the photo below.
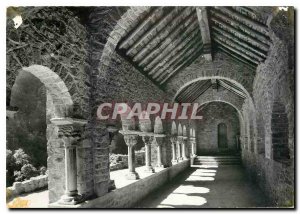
x=130, y=195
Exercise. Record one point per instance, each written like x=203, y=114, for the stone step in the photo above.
x=217, y=160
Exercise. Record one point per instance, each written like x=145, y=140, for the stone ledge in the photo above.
x=129, y=195
x=18, y=188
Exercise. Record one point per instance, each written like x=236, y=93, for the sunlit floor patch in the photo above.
x=190, y=189
x=183, y=200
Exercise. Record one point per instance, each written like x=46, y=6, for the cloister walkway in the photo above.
x=208, y=187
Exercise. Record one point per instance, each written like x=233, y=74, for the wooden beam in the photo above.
x=240, y=26
x=190, y=59
x=241, y=35
x=232, y=89
x=236, y=51
x=151, y=32
x=206, y=85
x=239, y=48
x=177, y=24
x=205, y=32
x=245, y=20
x=179, y=59
x=164, y=51
x=176, y=55
x=150, y=19
x=224, y=34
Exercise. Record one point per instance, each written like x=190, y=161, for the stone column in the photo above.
x=184, y=140
x=112, y=131
x=179, y=142
x=131, y=140
x=147, y=140
x=193, y=145
x=173, y=142
x=159, y=140
x=71, y=196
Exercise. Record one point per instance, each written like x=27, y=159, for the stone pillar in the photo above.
x=179, y=152
x=173, y=142
x=184, y=140
x=70, y=131
x=112, y=131
x=71, y=193
x=147, y=140
x=193, y=145
x=131, y=140
x=159, y=140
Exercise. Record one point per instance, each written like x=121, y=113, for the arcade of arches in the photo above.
x=237, y=63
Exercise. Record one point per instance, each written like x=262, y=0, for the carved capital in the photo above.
x=147, y=139
x=159, y=140
x=131, y=139
x=180, y=139
x=173, y=139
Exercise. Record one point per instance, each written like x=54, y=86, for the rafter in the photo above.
x=188, y=61
x=175, y=56
x=232, y=89
x=180, y=58
x=237, y=25
x=177, y=24
x=241, y=35
x=152, y=31
x=225, y=35
x=165, y=50
x=205, y=32
x=245, y=20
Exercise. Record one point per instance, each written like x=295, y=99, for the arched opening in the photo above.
x=40, y=95
x=280, y=128
x=222, y=136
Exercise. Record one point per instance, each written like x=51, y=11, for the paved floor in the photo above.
x=37, y=199
x=208, y=187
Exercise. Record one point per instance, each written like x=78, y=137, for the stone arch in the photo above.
x=158, y=126
x=186, y=84
x=184, y=131
x=174, y=128
x=127, y=21
x=241, y=118
x=260, y=133
x=145, y=123
x=280, y=132
x=179, y=130
x=55, y=87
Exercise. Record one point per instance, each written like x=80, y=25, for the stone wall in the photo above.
x=32, y=185
x=273, y=85
x=207, y=129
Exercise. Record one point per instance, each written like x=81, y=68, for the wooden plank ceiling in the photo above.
x=169, y=39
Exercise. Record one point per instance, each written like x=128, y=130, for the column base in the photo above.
x=132, y=176
x=111, y=185
x=184, y=158
x=174, y=162
x=160, y=166
x=70, y=200
x=180, y=159
x=149, y=169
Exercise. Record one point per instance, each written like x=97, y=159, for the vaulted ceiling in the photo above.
x=169, y=39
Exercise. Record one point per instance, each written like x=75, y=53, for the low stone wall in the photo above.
x=35, y=183
x=123, y=161
x=130, y=195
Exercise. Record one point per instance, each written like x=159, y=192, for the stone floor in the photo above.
x=198, y=187
x=208, y=187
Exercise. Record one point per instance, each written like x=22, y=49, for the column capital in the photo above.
x=180, y=139
x=173, y=139
x=130, y=139
x=147, y=139
x=159, y=140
